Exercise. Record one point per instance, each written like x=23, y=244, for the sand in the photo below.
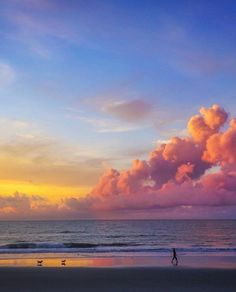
x=122, y=279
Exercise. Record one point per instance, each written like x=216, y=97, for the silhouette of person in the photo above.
x=174, y=260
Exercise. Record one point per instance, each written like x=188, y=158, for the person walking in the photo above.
x=174, y=260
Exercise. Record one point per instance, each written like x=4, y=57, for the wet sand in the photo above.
x=194, y=273
x=76, y=261
x=24, y=279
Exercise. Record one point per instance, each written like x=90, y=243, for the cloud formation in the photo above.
x=19, y=204
x=202, y=126
x=128, y=111
x=174, y=175
x=221, y=147
x=188, y=177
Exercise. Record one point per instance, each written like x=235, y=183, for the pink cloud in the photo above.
x=174, y=175
x=201, y=127
x=221, y=147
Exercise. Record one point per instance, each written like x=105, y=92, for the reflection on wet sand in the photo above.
x=69, y=262
x=76, y=261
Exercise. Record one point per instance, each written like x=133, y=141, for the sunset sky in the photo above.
x=117, y=109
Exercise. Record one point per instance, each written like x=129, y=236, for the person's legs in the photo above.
x=176, y=260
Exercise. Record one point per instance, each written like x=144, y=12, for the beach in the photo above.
x=194, y=273
x=117, y=256
x=123, y=279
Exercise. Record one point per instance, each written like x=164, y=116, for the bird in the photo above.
x=39, y=263
x=63, y=262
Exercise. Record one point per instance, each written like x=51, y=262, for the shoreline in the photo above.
x=76, y=261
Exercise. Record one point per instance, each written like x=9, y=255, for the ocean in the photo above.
x=91, y=238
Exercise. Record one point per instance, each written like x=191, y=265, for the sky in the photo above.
x=117, y=109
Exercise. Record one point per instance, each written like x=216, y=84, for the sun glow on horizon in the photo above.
x=53, y=193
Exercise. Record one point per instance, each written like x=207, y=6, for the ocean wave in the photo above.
x=46, y=245
x=113, y=247
x=66, y=232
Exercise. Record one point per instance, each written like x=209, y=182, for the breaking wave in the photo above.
x=114, y=248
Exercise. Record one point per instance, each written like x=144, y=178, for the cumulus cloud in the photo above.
x=19, y=204
x=176, y=174
x=201, y=127
x=221, y=147
x=25, y=206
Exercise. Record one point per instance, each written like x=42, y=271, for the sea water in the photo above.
x=119, y=238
